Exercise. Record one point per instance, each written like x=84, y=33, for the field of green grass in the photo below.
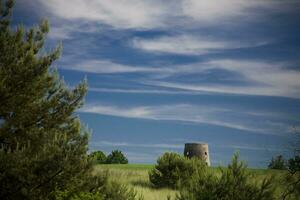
x=136, y=176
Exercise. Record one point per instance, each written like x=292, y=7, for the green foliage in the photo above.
x=173, y=169
x=294, y=164
x=80, y=196
x=291, y=185
x=5, y=13
x=277, y=162
x=99, y=157
x=90, y=189
x=117, y=191
x=110, y=190
x=116, y=157
x=234, y=183
x=42, y=143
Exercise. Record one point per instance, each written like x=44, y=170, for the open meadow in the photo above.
x=136, y=176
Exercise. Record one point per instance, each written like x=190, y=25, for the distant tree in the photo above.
x=277, y=162
x=294, y=164
x=116, y=157
x=99, y=157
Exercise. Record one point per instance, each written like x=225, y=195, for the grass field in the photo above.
x=136, y=176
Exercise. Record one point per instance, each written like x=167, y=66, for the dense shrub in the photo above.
x=99, y=157
x=234, y=183
x=172, y=170
x=116, y=157
x=277, y=162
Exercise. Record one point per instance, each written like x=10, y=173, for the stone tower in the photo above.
x=199, y=150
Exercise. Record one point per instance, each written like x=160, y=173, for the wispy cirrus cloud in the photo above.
x=262, y=77
x=126, y=144
x=268, y=78
x=270, y=73
x=63, y=31
x=191, y=45
x=182, y=112
x=144, y=91
x=118, y=14
x=216, y=11
x=109, y=67
x=144, y=14
x=233, y=90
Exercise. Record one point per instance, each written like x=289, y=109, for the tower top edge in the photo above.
x=196, y=143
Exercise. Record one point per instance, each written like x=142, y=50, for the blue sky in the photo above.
x=162, y=73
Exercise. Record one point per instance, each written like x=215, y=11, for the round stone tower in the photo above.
x=199, y=150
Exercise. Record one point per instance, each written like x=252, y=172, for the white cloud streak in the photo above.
x=262, y=78
x=177, y=112
x=213, y=11
x=108, y=67
x=268, y=79
x=190, y=45
x=125, y=144
x=144, y=91
x=145, y=14
x=117, y=13
x=233, y=90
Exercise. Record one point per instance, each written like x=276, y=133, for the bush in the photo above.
x=235, y=183
x=172, y=170
x=99, y=157
x=116, y=157
x=277, y=163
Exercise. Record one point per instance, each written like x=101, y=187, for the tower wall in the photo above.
x=197, y=150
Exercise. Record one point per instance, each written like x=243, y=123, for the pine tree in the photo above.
x=43, y=147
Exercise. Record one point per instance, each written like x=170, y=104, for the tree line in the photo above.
x=115, y=157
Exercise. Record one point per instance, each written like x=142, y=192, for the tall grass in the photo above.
x=137, y=177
